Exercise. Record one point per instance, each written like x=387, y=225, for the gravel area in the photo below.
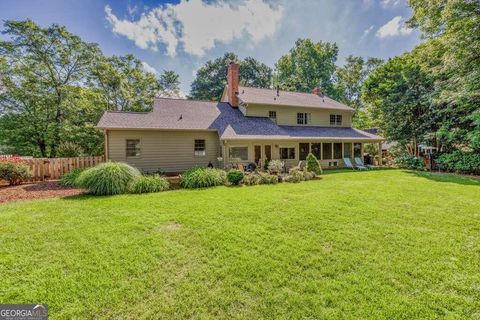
x=39, y=190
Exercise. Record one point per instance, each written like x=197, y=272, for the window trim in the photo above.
x=239, y=146
x=288, y=152
x=334, y=120
x=199, y=154
x=139, y=148
x=272, y=115
x=304, y=118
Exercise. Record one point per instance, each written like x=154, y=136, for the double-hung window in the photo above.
x=133, y=148
x=335, y=119
x=304, y=118
x=199, y=148
x=273, y=116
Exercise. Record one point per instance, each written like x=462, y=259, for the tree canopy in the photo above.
x=55, y=86
x=211, y=78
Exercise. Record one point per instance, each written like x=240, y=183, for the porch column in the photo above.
x=380, y=153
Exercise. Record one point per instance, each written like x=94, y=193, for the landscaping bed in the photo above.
x=37, y=190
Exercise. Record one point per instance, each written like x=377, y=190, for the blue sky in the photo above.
x=182, y=35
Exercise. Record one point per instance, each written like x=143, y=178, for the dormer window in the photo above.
x=273, y=116
x=304, y=118
x=335, y=119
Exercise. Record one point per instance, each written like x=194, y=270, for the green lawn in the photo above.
x=372, y=245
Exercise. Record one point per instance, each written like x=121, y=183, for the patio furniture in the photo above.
x=348, y=163
x=359, y=163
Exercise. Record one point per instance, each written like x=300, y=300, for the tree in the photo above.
x=454, y=32
x=41, y=65
x=348, y=85
x=307, y=65
x=211, y=78
x=169, y=84
x=398, y=94
x=124, y=84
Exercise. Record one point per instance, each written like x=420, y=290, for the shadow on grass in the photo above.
x=442, y=177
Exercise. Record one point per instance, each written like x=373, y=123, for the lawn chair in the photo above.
x=348, y=163
x=359, y=163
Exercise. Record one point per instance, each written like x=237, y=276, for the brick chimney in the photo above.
x=318, y=91
x=232, y=84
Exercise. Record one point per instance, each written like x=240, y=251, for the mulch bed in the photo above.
x=38, y=190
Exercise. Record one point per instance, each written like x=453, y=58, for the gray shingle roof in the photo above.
x=287, y=98
x=230, y=123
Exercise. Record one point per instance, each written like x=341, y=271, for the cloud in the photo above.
x=390, y=3
x=197, y=26
x=149, y=68
x=366, y=32
x=393, y=28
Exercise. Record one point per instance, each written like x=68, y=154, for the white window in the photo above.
x=335, y=119
x=287, y=153
x=199, y=148
x=238, y=153
x=273, y=116
x=133, y=148
x=304, y=118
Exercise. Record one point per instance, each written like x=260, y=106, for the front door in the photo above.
x=258, y=153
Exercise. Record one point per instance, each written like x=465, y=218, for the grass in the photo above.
x=355, y=245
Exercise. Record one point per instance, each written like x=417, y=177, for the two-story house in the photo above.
x=247, y=125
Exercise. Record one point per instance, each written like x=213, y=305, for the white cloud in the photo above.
x=393, y=28
x=197, y=26
x=366, y=32
x=390, y=3
x=149, y=68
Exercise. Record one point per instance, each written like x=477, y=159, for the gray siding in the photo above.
x=170, y=151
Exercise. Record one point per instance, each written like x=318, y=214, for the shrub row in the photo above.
x=459, y=161
x=296, y=174
x=111, y=178
x=199, y=177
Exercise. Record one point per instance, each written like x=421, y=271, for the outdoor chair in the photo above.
x=348, y=163
x=359, y=163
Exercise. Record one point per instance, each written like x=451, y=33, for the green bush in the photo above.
x=266, y=178
x=69, y=150
x=14, y=172
x=313, y=165
x=252, y=179
x=295, y=175
x=459, y=161
x=147, y=184
x=235, y=176
x=199, y=177
x=407, y=161
x=108, y=178
x=275, y=166
x=308, y=175
x=70, y=179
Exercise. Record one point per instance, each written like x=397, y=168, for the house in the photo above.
x=246, y=125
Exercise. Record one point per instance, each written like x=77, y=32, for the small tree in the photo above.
x=313, y=165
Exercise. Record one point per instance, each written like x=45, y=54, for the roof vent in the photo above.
x=180, y=118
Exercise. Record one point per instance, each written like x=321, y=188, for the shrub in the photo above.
x=407, y=161
x=199, y=177
x=252, y=179
x=266, y=178
x=295, y=174
x=275, y=166
x=69, y=150
x=235, y=176
x=459, y=161
x=147, y=184
x=70, y=179
x=308, y=175
x=313, y=165
x=108, y=178
x=14, y=171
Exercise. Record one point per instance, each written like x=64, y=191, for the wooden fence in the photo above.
x=53, y=168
